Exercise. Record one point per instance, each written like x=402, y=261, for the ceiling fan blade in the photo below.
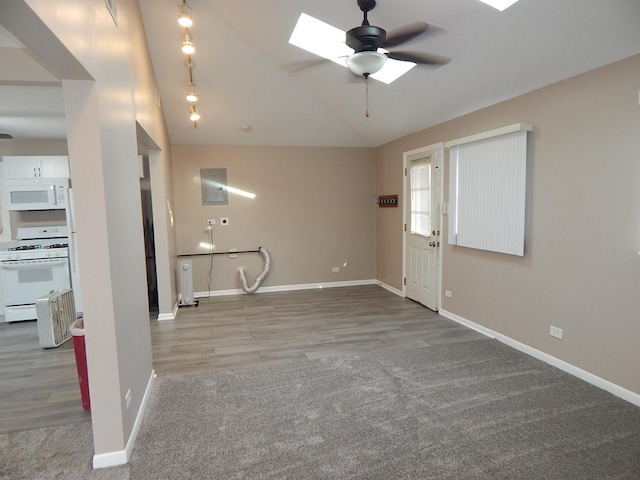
x=421, y=58
x=404, y=34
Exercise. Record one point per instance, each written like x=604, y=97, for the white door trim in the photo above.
x=406, y=156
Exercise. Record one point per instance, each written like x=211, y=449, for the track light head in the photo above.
x=184, y=15
x=195, y=116
x=192, y=96
x=187, y=45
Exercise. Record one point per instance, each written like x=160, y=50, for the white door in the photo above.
x=422, y=228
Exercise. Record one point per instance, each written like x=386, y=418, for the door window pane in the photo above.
x=421, y=197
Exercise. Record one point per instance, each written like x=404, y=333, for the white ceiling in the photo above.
x=31, y=102
x=243, y=58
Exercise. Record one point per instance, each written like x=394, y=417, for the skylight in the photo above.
x=326, y=41
x=499, y=4
x=320, y=38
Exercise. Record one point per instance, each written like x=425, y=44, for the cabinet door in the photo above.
x=54, y=166
x=20, y=167
x=46, y=166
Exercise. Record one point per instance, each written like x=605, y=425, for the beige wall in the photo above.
x=581, y=269
x=389, y=227
x=314, y=209
x=109, y=91
x=153, y=141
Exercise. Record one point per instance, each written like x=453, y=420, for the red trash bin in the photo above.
x=77, y=332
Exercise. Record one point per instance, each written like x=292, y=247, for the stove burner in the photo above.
x=25, y=247
x=57, y=245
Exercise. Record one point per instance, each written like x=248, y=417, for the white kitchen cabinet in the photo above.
x=41, y=166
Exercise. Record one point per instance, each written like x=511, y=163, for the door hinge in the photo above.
x=404, y=281
x=405, y=227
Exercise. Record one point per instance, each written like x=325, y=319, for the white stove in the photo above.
x=32, y=267
x=24, y=250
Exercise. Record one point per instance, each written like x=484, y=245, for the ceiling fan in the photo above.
x=365, y=49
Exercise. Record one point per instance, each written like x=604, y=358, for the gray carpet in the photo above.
x=477, y=410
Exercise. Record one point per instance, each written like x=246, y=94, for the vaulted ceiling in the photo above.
x=243, y=63
x=243, y=57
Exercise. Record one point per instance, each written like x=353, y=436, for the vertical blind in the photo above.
x=488, y=190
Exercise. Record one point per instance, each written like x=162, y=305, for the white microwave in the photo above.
x=36, y=193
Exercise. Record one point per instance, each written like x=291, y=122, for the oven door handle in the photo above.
x=18, y=265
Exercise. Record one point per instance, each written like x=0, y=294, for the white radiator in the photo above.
x=185, y=281
x=55, y=313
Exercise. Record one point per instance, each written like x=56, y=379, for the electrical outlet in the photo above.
x=127, y=399
x=447, y=293
x=224, y=221
x=335, y=269
x=211, y=221
x=233, y=253
x=555, y=332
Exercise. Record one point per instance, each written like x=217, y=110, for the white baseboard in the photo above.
x=400, y=293
x=287, y=288
x=588, y=377
x=120, y=457
x=468, y=323
x=170, y=316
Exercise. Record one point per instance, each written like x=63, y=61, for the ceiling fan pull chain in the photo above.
x=366, y=92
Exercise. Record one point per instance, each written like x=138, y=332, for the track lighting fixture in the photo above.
x=184, y=15
x=187, y=45
x=192, y=96
x=186, y=21
x=194, y=116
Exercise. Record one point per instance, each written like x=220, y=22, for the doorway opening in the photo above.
x=147, y=155
x=149, y=238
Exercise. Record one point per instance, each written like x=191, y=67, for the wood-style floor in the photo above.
x=39, y=387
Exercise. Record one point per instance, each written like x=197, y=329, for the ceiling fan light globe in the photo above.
x=366, y=63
